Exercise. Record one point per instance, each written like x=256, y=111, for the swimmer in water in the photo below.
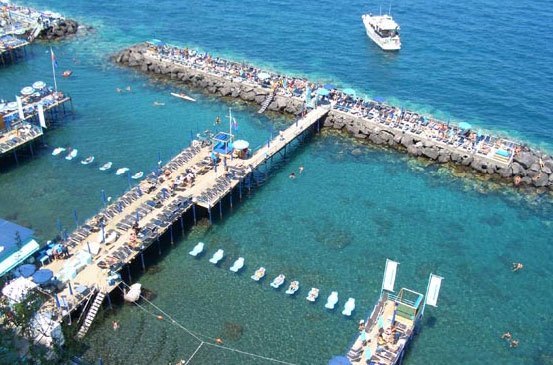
x=517, y=266
x=292, y=175
x=128, y=88
x=301, y=169
x=513, y=343
x=115, y=325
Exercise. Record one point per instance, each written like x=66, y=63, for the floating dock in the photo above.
x=111, y=240
x=386, y=334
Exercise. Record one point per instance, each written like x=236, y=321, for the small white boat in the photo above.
x=278, y=281
x=313, y=295
x=259, y=274
x=138, y=175
x=121, y=171
x=57, y=151
x=106, y=166
x=197, y=249
x=88, y=160
x=238, y=264
x=332, y=300
x=71, y=155
x=293, y=288
x=183, y=96
x=349, y=307
x=217, y=256
x=133, y=294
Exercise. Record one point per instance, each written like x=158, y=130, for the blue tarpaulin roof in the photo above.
x=8, y=233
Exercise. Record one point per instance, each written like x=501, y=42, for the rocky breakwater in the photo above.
x=139, y=57
x=59, y=30
x=529, y=168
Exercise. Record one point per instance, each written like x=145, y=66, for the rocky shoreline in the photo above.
x=529, y=168
x=59, y=30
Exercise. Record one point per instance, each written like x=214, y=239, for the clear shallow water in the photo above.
x=334, y=226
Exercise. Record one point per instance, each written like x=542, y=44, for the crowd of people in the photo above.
x=467, y=138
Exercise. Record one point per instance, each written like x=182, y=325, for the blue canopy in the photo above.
x=465, y=125
x=42, y=276
x=379, y=99
x=25, y=270
x=11, y=236
x=323, y=92
x=339, y=360
x=329, y=87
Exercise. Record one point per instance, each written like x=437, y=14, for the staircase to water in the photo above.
x=266, y=103
x=91, y=314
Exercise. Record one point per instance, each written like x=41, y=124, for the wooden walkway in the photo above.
x=158, y=203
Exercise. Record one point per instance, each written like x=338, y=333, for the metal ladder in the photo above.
x=266, y=102
x=91, y=314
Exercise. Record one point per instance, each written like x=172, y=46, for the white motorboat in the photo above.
x=71, y=155
x=349, y=307
x=217, y=256
x=383, y=31
x=259, y=274
x=278, y=281
x=57, y=151
x=138, y=175
x=183, y=96
x=88, y=160
x=332, y=300
x=197, y=249
x=313, y=295
x=121, y=171
x=238, y=264
x=105, y=166
x=293, y=288
x=133, y=294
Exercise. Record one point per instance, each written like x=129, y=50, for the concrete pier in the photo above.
x=372, y=121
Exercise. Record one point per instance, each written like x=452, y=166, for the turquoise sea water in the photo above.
x=333, y=227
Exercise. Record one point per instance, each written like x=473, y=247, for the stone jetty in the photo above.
x=371, y=121
x=60, y=30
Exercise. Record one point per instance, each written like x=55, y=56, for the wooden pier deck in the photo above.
x=158, y=203
x=27, y=129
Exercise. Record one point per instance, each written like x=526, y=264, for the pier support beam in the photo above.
x=129, y=273
x=209, y=213
x=171, y=234
x=240, y=189
x=221, y=208
x=158, y=246
x=142, y=261
x=194, y=214
x=182, y=224
x=230, y=198
x=109, y=301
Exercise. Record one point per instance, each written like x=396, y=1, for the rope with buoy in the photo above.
x=218, y=341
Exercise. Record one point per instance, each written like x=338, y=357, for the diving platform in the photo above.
x=121, y=232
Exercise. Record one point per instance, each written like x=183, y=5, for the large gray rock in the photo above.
x=525, y=159
x=444, y=156
x=413, y=150
x=517, y=169
x=541, y=180
x=430, y=152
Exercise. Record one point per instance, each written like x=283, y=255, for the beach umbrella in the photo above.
x=263, y=75
x=339, y=360
x=323, y=92
x=329, y=86
x=25, y=270
x=379, y=99
x=240, y=144
x=464, y=125
x=39, y=85
x=27, y=90
x=11, y=105
x=349, y=92
x=42, y=276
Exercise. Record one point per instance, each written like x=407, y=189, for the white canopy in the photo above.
x=18, y=289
